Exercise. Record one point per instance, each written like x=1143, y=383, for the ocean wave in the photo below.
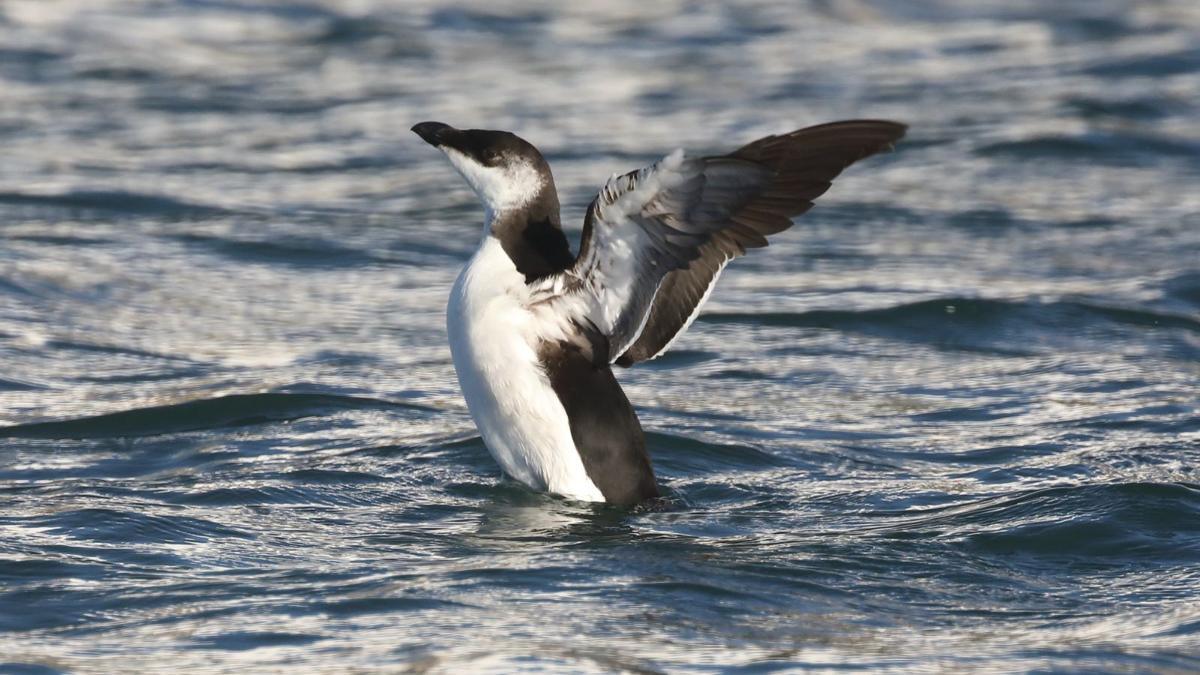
x=224, y=411
x=12, y=384
x=1178, y=62
x=1115, y=148
x=293, y=251
x=674, y=453
x=1184, y=288
x=1105, y=524
x=106, y=525
x=967, y=322
x=82, y=202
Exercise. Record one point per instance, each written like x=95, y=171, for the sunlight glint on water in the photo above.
x=948, y=422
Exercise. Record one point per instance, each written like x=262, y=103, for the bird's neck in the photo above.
x=532, y=235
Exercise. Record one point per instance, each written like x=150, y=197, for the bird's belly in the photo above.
x=521, y=420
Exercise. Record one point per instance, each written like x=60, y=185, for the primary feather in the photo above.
x=656, y=239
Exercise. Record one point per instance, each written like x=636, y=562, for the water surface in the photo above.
x=948, y=422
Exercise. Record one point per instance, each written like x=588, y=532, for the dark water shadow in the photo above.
x=225, y=411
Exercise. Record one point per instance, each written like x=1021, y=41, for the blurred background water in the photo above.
x=948, y=422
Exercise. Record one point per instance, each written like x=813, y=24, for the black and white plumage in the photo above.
x=534, y=330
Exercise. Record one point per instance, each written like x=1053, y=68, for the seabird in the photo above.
x=535, y=330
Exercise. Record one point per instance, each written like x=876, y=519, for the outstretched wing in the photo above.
x=655, y=240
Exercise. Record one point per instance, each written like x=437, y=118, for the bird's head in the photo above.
x=503, y=169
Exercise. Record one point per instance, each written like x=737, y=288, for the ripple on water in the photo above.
x=225, y=411
x=946, y=423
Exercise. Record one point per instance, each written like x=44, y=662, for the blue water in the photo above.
x=950, y=422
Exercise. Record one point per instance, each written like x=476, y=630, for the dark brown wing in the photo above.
x=801, y=166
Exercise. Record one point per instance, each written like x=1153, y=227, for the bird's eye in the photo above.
x=491, y=157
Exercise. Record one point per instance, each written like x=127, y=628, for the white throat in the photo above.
x=500, y=188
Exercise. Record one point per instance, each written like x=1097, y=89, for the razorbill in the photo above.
x=535, y=330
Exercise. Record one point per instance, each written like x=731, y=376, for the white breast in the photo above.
x=493, y=339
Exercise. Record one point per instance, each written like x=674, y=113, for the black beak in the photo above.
x=433, y=133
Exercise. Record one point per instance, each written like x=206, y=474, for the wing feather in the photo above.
x=655, y=240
